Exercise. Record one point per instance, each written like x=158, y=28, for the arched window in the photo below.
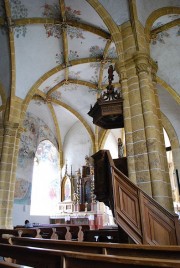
x=45, y=182
x=66, y=189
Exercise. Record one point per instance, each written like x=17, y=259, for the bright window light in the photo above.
x=46, y=180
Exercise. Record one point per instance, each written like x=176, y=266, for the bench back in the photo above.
x=40, y=257
x=49, y=230
x=145, y=251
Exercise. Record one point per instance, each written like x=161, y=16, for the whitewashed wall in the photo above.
x=76, y=146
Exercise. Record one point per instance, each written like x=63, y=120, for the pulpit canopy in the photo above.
x=107, y=112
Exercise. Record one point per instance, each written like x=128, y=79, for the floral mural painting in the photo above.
x=72, y=14
x=19, y=11
x=51, y=11
x=161, y=37
x=55, y=95
x=59, y=58
x=73, y=55
x=175, y=17
x=75, y=32
x=22, y=193
x=72, y=86
x=35, y=130
x=112, y=53
x=96, y=51
x=74, y=75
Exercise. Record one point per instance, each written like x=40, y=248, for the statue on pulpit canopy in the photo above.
x=120, y=148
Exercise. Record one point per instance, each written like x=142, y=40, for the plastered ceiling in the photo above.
x=63, y=49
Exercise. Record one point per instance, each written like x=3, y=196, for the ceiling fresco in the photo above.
x=164, y=49
x=64, y=49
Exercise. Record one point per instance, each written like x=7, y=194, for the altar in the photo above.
x=78, y=203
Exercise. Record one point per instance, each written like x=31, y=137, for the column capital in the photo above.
x=141, y=61
x=144, y=63
x=121, y=70
x=10, y=128
x=140, y=57
x=142, y=67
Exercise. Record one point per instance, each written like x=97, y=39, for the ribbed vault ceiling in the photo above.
x=62, y=51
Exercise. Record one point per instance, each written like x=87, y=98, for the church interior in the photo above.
x=90, y=115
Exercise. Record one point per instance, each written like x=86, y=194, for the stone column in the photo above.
x=153, y=132
x=134, y=129
x=153, y=82
x=7, y=173
x=121, y=70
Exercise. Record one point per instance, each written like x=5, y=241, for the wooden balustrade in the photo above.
x=41, y=257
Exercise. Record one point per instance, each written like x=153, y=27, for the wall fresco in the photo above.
x=35, y=132
x=48, y=163
x=161, y=37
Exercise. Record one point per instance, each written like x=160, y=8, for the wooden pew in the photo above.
x=6, y=233
x=29, y=232
x=46, y=230
x=23, y=232
x=102, y=235
x=145, y=251
x=11, y=265
x=40, y=258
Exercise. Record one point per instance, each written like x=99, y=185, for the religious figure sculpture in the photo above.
x=87, y=160
x=74, y=198
x=120, y=148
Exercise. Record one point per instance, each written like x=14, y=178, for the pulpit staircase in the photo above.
x=138, y=215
